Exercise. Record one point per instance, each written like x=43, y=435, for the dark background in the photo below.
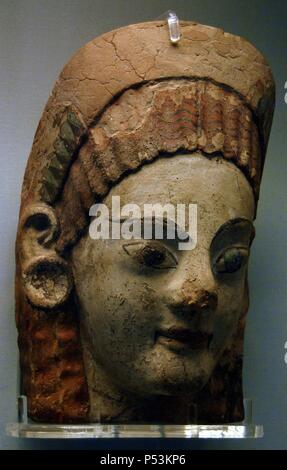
x=37, y=37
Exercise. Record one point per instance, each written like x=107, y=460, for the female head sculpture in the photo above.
x=117, y=331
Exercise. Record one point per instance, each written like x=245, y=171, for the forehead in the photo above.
x=218, y=187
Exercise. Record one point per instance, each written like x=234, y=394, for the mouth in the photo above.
x=183, y=338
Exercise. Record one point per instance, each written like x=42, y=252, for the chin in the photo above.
x=183, y=387
x=187, y=377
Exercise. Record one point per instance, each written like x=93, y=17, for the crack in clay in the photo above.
x=112, y=42
x=238, y=186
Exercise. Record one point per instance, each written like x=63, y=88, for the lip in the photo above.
x=183, y=338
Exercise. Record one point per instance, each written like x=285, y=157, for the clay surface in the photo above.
x=132, y=114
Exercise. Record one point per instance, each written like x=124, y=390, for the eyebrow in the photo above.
x=165, y=221
x=232, y=225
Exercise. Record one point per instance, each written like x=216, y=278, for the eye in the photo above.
x=151, y=254
x=231, y=260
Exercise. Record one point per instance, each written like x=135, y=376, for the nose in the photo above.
x=192, y=300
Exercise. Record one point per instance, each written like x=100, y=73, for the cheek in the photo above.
x=121, y=314
x=231, y=303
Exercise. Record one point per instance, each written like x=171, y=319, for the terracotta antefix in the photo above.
x=118, y=330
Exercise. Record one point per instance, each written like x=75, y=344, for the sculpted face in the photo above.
x=156, y=319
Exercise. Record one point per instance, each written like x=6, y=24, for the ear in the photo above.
x=46, y=277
